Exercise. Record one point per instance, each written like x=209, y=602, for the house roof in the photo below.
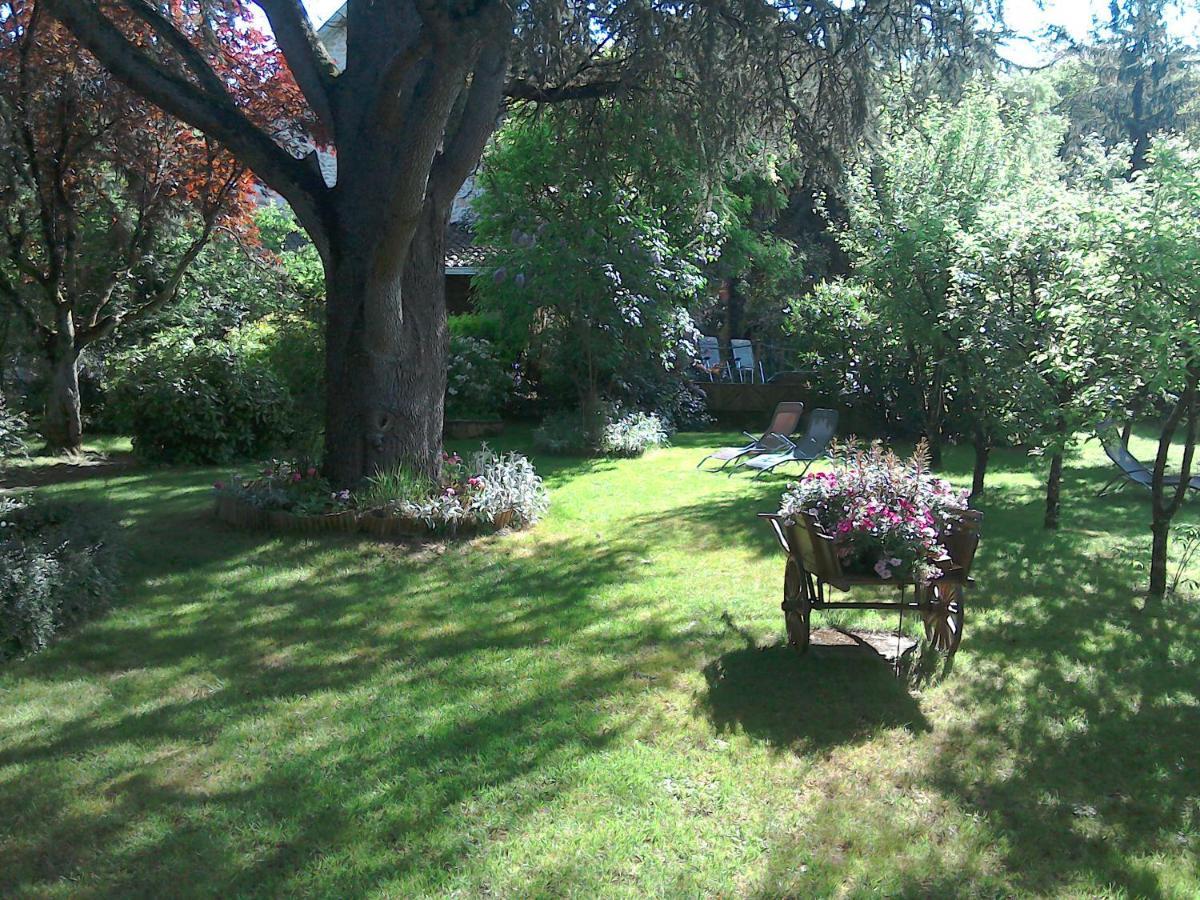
x=462, y=252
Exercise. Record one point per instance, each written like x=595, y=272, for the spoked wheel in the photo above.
x=944, y=616
x=797, y=606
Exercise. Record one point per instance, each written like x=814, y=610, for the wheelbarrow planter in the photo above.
x=813, y=568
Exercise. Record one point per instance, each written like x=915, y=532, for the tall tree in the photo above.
x=1133, y=79
x=1150, y=313
x=910, y=206
x=105, y=202
x=409, y=116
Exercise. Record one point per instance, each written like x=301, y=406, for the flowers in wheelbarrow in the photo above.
x=884, y=515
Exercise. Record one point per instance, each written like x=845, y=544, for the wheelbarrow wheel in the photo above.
x=944, y=616
x=796, y=605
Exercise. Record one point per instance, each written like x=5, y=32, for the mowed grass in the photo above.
x=602, y=706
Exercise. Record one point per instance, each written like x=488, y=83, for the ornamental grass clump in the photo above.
x=885, y=515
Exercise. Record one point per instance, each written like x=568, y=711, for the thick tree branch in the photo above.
x=313, y=68
x=475, y=124
x=204, y=74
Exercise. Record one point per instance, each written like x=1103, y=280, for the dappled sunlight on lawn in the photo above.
x=601, y=704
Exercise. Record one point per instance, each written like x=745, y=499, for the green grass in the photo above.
x=600, y=706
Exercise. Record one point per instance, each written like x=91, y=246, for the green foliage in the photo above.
x=478, y=383
x=601, y=227
x=480, y=326
x=206, y=401
x=929, y=191
x=13, y=428
x=291, y=347
x=57, y=568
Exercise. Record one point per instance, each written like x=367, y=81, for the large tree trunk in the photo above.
x=386, y=354
x=62, y=421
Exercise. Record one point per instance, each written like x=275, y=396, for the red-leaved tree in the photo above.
x=105, y=200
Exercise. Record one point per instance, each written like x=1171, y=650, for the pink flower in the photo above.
x=296, y=476
x=882, y=570
x=312, y=472
x=219, y=485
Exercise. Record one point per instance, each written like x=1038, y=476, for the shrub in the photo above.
x=188, y=401
x=562, y=433
x=56, y=569
x=477, y=382
x=628, y=434
x=12, y=431
x=632, y=434
x=291, y=348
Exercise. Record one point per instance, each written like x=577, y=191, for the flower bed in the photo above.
x=884, y=516
x=484, y=493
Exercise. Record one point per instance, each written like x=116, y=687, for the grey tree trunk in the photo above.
x=386, y=355
x=62, y=420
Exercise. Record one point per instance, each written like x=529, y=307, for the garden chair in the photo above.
x=710, y=356
x=775, y=439
x=743, y=360
x=822, y=428
x=1129, y=466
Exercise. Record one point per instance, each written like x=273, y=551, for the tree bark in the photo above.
x=1160, y=529
x=1164, y=509
x=386, y=354
x=982, y=451
x=1054, y=490
x=62, y=422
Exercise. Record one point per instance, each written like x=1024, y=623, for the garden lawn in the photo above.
x=600, y=706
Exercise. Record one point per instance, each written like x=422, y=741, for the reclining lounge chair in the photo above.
x=822, y=428
x=775, y=439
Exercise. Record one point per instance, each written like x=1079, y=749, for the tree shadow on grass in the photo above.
x=250, y=724
x=1080, y=750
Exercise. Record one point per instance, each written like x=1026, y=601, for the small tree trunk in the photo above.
x=1164, y=509
x=1126, y=431
x=1054, y=490
x=385, y=355
x=62, y=422
x=1160, y=528
x=982, y=451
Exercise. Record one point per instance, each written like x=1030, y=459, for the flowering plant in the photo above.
x=485, y=489
x=884, y=515
x=295, y=486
